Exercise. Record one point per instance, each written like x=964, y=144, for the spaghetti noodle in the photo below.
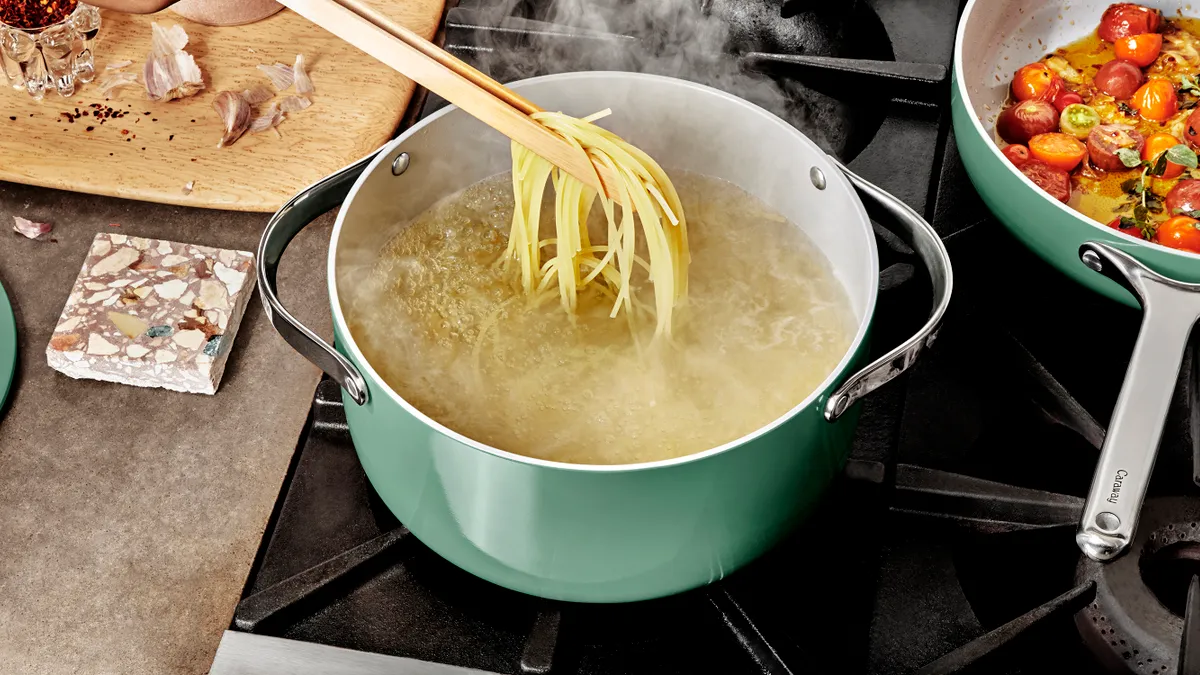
x=646, y=195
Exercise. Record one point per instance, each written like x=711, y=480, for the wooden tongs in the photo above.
x=441, y=72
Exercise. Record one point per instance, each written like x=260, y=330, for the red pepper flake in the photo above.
x=193, y=159
x=134, y=136
x=153, y=119
x=128, y=140
x=114, y=224
x=124, y=132
x=146, y=113
x=14, y=118
x=90, y=128
x=171, y=137
x=85, y=113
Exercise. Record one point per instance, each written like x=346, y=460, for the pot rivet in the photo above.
x=1092, y=260
x=400, y=164
x=1108, y=522
x=817, y=178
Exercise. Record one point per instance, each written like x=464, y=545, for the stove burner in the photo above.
x=1129, y=626
x=841, y=107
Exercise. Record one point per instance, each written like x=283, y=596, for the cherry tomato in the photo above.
x=1191, y=133
x=1055, y=182
x=1184, y=198
x=1124, y=19
x=1119, y=79
x=1078, y=119
x=1131, y=231
x=1106, y=139
x=1036, y=82
x=1066, y=98
x=1156, y=145
x=1057, y=150
x=1025, y=120
x=1140, y=50
x=1156, y=101
x=1016, y=153
x=1180, y=232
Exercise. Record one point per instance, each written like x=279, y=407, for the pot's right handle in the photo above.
x=925, y=241
x=305, y=207
x=1170, y=309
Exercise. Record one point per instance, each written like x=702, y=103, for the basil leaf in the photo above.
x=1131, y=186
x=1127, y=222
x=1129, y=158
x=1183, y=155
x=1140, y=212
x=1190, y=214
x=1160, y=165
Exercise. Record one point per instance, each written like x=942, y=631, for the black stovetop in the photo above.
x=946, y=546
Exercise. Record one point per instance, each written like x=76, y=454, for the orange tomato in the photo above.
x=1036, y=82
x=1060, y=151
x=1156, y=101
x=1179, y=232
x=1156, y=145
x=1140, y=50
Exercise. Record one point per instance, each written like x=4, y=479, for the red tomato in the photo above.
x=1066, y=98
x=1056, y=182
x=1140, y=50
x=1125, y=19
x=1155, y=146
x=1105, y=139
x=1131, y=231
x=1184, y=197
x=1156, y=101
x=1016, y=153
x=1191, y=134
x=1036, y=82
x=1025, y=120
x=1179, y=232
x=1119, y=79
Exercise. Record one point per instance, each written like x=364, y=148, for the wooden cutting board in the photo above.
x=357, y=105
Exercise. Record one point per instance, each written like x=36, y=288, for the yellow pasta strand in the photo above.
x=644, y=190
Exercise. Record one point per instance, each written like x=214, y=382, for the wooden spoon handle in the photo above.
x=436, y=75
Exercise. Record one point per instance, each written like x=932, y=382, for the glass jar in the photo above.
x=55, y=57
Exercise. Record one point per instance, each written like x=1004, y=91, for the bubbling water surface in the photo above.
x=764, y=324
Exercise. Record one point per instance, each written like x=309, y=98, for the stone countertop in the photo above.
x=130, y=517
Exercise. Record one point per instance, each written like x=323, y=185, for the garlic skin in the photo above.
x=170, y=72
x=30, y=229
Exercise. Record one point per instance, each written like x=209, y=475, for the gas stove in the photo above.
x=948, y=543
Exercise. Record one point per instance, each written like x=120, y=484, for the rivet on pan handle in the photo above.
x=1169, y=310
x=301, y=210
x=921, y=237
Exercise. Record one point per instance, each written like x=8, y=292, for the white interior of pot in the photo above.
x=1004, y=35
x=682, y=125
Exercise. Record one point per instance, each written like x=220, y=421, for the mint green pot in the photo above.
x=604, y=533
x=994, y=39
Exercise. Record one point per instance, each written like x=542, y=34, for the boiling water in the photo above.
x=764, y=324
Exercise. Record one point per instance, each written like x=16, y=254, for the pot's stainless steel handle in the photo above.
x=310, y=203
x=925, y=241
x=1170, y=309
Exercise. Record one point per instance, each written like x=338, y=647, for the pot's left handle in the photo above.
x=929, y=247
x=305, y=207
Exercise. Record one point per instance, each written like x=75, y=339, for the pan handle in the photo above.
x=305, y=207
x=1169, y=311
x=925, y=241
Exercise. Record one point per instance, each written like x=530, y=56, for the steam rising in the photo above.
x=675, y=38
